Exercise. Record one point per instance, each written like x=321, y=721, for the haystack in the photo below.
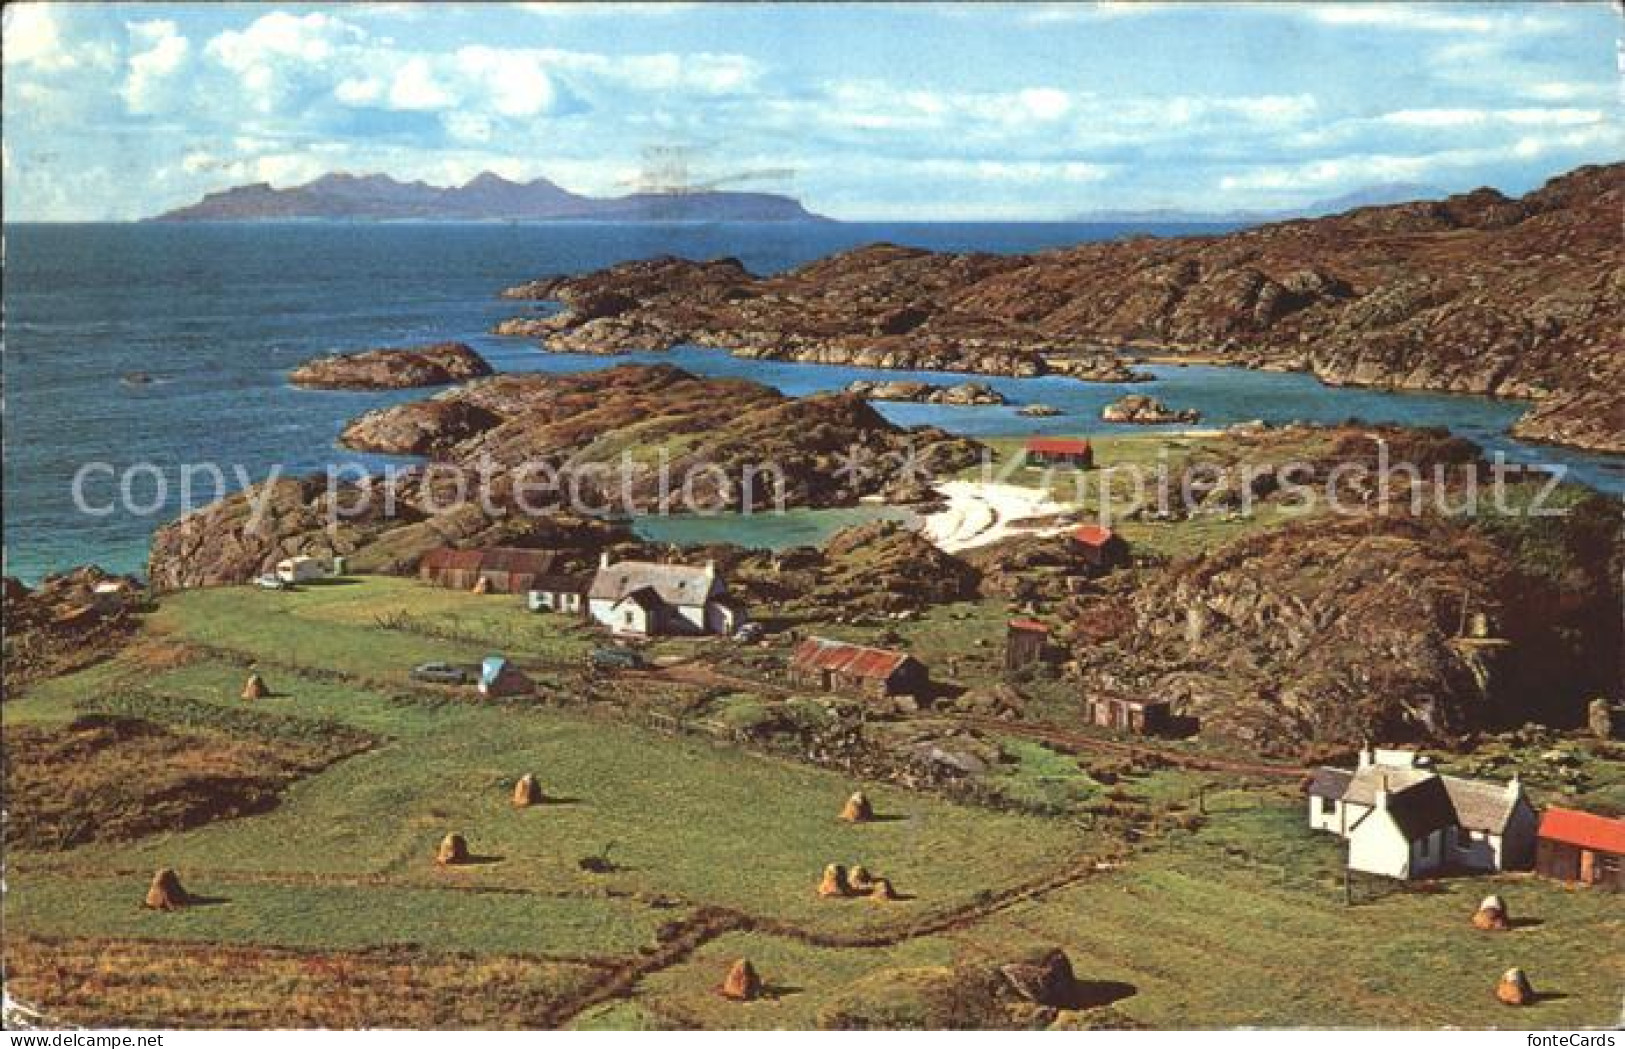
x=858, y=809
x=881, y=889
x=1514, y=988
x=742, y=984
x=256, y=688
x=1491, y=915
x=1046, y=980
x=453, y=849
x=482, y=585
x=834, y=882
x=527, y=792
x=858, y=879
x=166, y=893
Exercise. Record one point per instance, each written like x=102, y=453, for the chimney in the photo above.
x=603, y=559
x=710, y=568
x=1514, y=787
x=1379, y=797
x=1368, y=756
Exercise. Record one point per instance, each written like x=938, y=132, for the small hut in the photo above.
x=1025, y=643
x=498, y=677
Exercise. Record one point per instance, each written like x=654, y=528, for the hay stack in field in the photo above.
x=858, y=809
x=482, y=585
x=527, y=792
x=1491, y=915
x=742, y=984
x=453, y=849
x=881, y=889
x=1046, y=980
x=858, y=879
x=256, y=688
x=165, y=893
x=834, y=882
x=1515, y=988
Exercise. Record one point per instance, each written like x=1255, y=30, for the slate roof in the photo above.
x=1584, y=829
x=1479, y=805
x=820, y=653
x=673, y=584
x=1329, y=783
x=1422, y=808
x=1364, y=783
x=561, y=584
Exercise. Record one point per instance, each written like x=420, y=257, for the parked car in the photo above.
x=272, y=582
x=440, y=674
x=616, y=659
x=749, y=632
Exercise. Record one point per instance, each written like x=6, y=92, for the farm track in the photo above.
x=1042, y=733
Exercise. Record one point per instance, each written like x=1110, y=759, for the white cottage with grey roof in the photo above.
x=1404, y=820
x=645, y=598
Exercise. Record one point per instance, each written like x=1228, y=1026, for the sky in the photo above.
x=902, y=112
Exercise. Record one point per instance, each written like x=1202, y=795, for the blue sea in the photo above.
x=215, y=315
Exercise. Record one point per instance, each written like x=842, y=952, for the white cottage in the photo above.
x=1403, y=820
x=647, y=598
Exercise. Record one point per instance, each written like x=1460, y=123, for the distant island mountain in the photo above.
x=1365, y=197
x=486, y=197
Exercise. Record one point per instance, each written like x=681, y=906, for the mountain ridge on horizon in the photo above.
x=487, y=196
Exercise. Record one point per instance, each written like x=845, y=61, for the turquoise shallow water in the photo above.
x=217, y=314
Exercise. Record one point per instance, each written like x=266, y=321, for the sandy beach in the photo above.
x=981, y=513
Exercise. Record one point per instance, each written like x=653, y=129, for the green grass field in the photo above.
x=1241, y=922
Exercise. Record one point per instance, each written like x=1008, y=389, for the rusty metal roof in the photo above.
x=1585, y=829
x=821, y=653
x=1093, y=535
x=448, y=558
x=516, y=559
x=1058, y=445
x=1029, y=624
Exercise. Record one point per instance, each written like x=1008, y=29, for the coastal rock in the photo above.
x=717, y=437
x=1474, y=294
x=1038, y=411
x=441, y=364
x=1145, y=410
x=965, y=393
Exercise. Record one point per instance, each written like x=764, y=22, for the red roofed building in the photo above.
x=1100, y=546
x=1060, y=451
x=836, y=666
x=1581, y=847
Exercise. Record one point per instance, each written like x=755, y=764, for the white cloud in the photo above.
x=164, y=52
x=1460, y=118
x=1423, y=18
x=276, y=46
x=32, y=38
x=516, y=81
x=601, y=10
x=415, y=88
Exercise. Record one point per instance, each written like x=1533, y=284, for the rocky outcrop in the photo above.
x=1340, y=628
x=69, y=620
x=965, y=393
x=441, y=364
x=377, y=527
x=641, y=437
x=1477, y=293
x=1593, y=419
x=1146, y=411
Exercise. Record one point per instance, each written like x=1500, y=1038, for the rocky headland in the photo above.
x=507, y=436
x=440, y=364
x=1477, y=293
